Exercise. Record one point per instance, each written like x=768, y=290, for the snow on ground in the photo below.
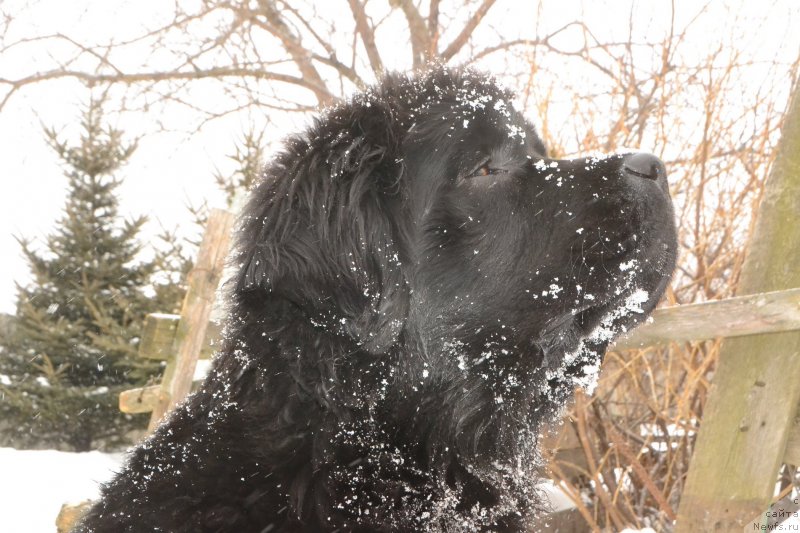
x=35, y=483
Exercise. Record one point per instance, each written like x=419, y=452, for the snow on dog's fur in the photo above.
x=419, y=287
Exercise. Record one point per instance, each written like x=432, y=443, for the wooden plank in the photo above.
x=158, y=338
x=792, y=454
x=161, y=403
x=69, y=514
x=190, y=336
x=141, y=400
x=145, y=399
x=754, y=395
x=768, y=312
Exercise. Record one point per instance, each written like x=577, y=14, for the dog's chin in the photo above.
x=611, y=309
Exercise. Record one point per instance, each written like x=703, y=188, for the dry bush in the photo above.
x=623, y=453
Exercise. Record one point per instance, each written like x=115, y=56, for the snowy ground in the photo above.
x=35, y=483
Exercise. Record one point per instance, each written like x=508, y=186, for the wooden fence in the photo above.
x=181, y=340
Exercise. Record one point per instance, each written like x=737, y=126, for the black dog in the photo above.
x=419, y=287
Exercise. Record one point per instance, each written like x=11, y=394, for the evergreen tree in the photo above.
x=249, y=163
x=248, y=159
x=73, y=347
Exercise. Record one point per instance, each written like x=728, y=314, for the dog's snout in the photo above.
x=643, y=165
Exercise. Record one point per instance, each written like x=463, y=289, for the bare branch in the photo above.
x=293, y=45
x=367, y=35
x=504, y=46
x=332, y=59
x=143, y=77
x=462, y=38
x=433, y=29
x=417, y=29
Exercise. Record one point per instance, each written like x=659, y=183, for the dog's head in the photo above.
x=427, y=207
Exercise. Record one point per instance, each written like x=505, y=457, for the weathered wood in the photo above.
x=756, y=388
x=141, y=400
x=792, y=454
x=158, y=337
x=768, y=312
x=161, y=403
x=145, y=399
x=190, y=336
x=69, y=514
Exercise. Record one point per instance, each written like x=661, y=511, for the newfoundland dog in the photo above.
x=419, y=287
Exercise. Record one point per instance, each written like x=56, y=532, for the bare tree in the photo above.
x=257, y=49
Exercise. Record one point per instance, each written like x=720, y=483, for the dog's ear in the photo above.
x=320, y=228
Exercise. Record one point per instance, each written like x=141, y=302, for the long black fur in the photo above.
x=418, y=288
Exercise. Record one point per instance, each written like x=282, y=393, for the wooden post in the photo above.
x=197, y=304
x=755, y=391
x=158, y=338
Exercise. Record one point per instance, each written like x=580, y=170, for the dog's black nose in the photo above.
x=644, y=165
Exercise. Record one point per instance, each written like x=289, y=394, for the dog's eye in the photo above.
x=484, y=169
